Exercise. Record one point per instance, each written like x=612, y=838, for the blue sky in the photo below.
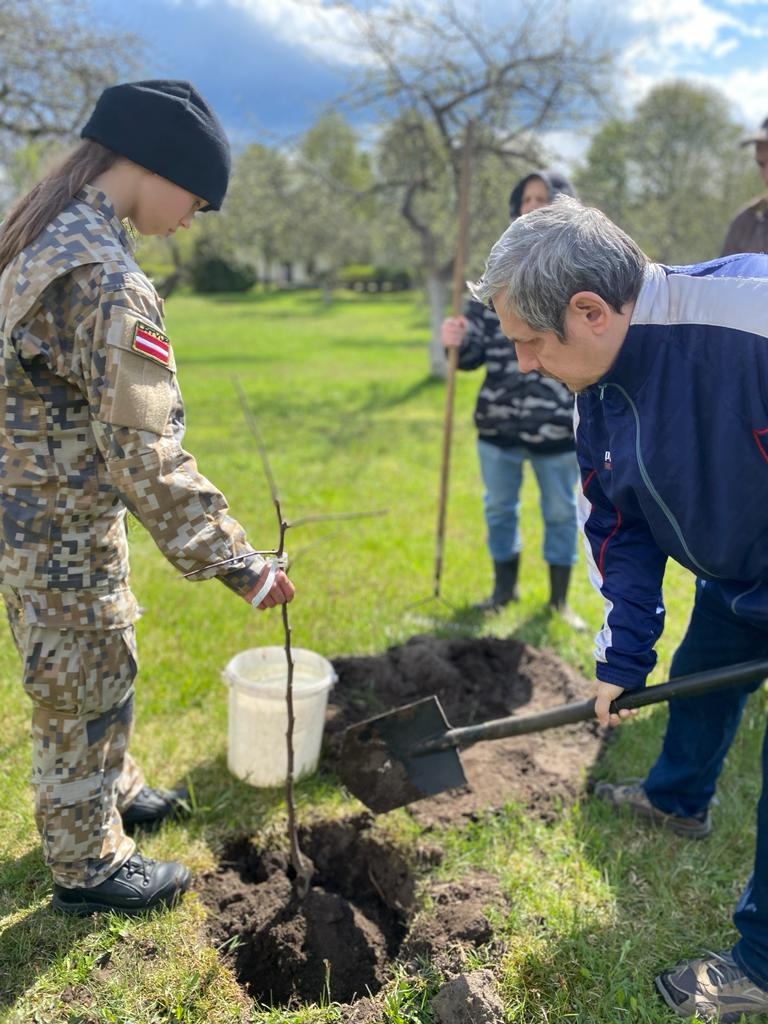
x=269, y=67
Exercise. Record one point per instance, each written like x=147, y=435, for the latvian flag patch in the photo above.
x=149, y=341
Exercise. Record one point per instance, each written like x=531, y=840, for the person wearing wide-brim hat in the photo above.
x=91, y=426
x=748, y=231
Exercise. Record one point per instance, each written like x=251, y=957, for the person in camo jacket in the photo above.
x=521, y=416
x=91, y=426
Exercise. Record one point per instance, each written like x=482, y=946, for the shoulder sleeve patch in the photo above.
x=134, y=385
x=150, y=342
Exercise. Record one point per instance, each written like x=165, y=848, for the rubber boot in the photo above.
x=559, y=579
x=504, y=587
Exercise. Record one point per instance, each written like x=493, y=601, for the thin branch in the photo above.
x=321, y=517
x=254, y=429
x=303, y=867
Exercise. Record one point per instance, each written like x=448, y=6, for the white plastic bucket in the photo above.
x=258, y=715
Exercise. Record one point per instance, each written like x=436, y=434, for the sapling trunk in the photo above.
x=302, y=866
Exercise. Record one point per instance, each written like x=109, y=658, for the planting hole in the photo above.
x=338, y=942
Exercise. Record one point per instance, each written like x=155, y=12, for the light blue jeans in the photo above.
x=557, y=475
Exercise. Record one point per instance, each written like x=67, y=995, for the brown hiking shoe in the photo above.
x=632, y=796
x=712, y=988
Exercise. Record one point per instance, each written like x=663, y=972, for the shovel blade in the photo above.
x=377, y=761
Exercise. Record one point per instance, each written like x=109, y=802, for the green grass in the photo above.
x=353, y=424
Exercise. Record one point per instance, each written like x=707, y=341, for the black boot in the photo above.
x=559, y=579
x=504, y=587
x=139, y=885
x=153, y=806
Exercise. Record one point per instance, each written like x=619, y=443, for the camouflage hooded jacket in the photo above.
x=91, y=425
x=513, y=409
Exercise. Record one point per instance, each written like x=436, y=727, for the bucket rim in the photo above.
x=302, y=688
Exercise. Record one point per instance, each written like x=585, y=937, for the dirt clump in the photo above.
x=468, y=999
x=456, y=918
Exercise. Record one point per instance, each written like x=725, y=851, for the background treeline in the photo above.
x=374, y=208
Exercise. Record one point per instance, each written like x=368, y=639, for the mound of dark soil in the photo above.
x=476, y=680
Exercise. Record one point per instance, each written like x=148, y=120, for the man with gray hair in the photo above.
x=669, y=366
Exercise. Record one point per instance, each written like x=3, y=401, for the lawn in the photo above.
x=353, y=424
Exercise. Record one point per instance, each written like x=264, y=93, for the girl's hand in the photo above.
x=281, y=591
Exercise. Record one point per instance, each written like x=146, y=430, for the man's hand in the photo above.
x=607, y=692
x=452, y=331
x=281, y=591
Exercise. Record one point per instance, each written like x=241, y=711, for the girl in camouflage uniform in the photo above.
x=91, y=426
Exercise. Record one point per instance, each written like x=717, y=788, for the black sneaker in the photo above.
x=712, y=988
x=139, y=885
x=153, y=806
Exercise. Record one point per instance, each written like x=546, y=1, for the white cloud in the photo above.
x=681, y=27
x=747, y=89
x=567, y=148
x=326, y=32
x=698, y=41
x=723, y=49
x=711, y=41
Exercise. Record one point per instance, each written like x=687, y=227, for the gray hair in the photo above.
x=550, y=254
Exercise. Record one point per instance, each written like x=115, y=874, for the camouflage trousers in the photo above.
x=81, y=684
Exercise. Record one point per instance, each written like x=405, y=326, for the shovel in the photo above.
x=410, y=753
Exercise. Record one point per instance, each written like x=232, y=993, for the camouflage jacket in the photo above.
x=513, y=409
x=91, y=425
x=748, y=231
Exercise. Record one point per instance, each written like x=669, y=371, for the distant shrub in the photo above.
x=214, y=270
x=364, y=277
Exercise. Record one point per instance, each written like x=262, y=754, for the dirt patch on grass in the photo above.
x=371, y=904
x=476, y=680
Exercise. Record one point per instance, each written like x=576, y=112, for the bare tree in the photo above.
x=53, y=64
x=435, y=68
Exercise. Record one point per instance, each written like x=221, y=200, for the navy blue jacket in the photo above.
x=673, y=448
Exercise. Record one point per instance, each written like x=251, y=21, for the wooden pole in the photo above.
x=459, y=263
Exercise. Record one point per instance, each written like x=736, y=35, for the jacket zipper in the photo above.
x=648, y=483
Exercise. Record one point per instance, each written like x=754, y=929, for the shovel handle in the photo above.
x=582, y=711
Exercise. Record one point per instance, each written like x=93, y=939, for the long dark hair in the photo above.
x=30, y=214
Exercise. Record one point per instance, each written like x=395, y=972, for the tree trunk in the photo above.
x=437, y=293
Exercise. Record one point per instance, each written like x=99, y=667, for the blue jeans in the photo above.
x=557, y=475
x=699, y=734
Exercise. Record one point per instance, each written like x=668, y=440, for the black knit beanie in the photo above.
x=167, y=127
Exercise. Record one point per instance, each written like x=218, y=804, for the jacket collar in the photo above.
x=98, y=201
x=635, y=357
